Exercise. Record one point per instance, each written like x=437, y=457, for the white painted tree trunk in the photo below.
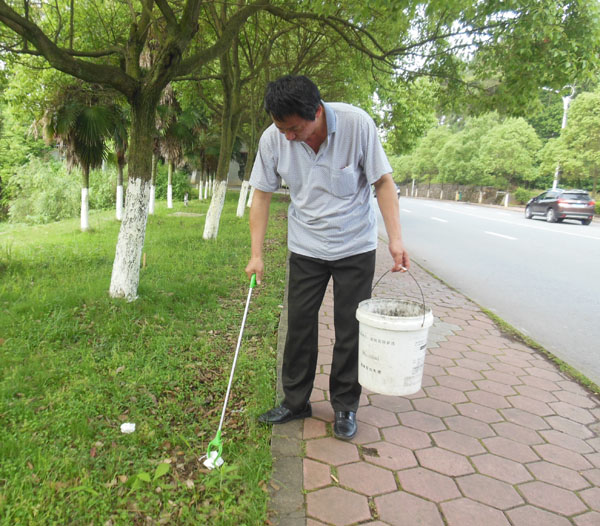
x=119, y=202
x=251, y=196
x=126, y=268
x=152, y=199
x=194, y=175
x=242, y=199
x=213, y=216
x=170, y=196
x=205, y=189
x=85, y=209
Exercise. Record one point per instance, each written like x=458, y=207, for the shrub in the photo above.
x=522, y=195
x=45, y=191
x=181, y=183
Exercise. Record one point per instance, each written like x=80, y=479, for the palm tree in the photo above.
x=80, y=124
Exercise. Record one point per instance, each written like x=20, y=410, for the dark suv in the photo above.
x=556, y=205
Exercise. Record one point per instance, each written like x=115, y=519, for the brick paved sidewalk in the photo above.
x=497, y=435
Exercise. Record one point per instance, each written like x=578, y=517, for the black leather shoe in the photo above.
x=345, y=424
x=281, y=415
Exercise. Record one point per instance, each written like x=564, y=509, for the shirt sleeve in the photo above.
x=375, y=161
x=264, y=174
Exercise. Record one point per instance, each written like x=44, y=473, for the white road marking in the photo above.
x=532, y=224
x=438, y=219
x=501, y=235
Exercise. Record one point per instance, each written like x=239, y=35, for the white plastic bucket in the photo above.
x=391, y=345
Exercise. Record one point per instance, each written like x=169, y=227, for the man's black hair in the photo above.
x=292, y=95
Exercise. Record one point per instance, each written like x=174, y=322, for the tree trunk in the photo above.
x=230, y=120
x=170, y=185
x=84, y=223
x=251, y=196
x=153, y=184
x=242, y=199
x=119, y=192
x=126, y=268
x=213, y=216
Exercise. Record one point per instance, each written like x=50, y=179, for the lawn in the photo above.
x=76, y=364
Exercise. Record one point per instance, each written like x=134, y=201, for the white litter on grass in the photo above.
x=127, y=427
x=213, y=460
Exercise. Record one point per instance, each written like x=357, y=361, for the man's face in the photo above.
x=296, y=128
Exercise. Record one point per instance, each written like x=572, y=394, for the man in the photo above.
x=328, y=154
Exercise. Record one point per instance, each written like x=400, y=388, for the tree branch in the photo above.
x=167, y=12
x=62, y=60
x=230, y=30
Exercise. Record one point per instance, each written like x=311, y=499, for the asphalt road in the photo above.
x=543, y=279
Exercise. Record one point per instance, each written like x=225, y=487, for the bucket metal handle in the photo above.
x=415, y=280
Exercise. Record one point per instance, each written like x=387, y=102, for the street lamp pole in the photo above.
x=566, y=103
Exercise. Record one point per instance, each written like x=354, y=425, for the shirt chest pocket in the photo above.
x=343, y=181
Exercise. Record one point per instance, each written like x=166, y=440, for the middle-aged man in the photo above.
x=328, y=154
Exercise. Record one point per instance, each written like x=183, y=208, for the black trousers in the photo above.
x=308, y=279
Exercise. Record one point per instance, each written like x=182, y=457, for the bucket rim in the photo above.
x=425, y=311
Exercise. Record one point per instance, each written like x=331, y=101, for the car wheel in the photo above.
x=551, y=216
x=528, y=214
x=586, y=221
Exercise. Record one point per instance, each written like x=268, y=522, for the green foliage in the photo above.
x=582, y=134
x=408, y=112
x=180, y=183
x=44, y=190
x=16, y=147
x=460, y=159
x=75, y=364
x=545, y=115
x=522, y=195
x=508, y=152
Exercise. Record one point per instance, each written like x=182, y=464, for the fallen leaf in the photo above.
x=93, y=452
x=111, y=484
x=276, y=487
x=189, y=483
x=123, y=478
x=120, y=369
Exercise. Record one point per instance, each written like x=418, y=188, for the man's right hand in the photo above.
x=255, y=266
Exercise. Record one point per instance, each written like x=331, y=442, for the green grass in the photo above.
x=75, y=364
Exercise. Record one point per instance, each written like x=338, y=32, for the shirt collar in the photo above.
x=330, y=117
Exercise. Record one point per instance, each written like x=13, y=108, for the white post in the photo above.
x=412, y=190
x=441, y=195
x=506, y=198
x=480, y=197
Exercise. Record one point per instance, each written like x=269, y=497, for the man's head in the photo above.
x=294, y=104
x=292, y=95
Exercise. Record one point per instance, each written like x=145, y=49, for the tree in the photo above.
x=555, y=153
x=81, y=123
x=425, y=163
x=408, y=112
x=508, y=152
x=460, y=158
x=582, y=134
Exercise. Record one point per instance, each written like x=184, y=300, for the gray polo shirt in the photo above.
x=330, y=216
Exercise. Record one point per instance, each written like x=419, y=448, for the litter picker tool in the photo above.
x=215, y=446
